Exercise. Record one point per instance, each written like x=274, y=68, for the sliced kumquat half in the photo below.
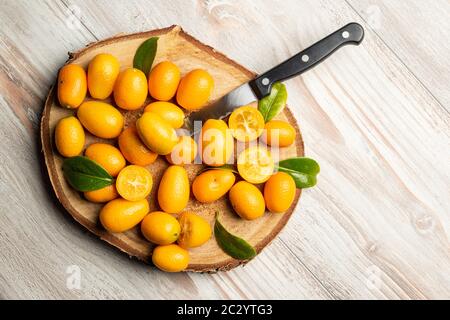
x=246, y=123
x=134, y=183
x=255, y=164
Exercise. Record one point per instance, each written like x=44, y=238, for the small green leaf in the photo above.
x=272, y=105
x=83, y=174
x=229, y=167
x=303, y=170
x=233, y=246
x=145, y=54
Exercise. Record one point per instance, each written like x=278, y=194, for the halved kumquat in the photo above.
x=246, y=123
x=134, y=183
x=255, y=164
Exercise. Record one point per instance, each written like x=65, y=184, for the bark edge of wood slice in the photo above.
x=188, y=53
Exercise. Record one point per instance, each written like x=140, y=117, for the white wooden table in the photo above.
x=376, y=117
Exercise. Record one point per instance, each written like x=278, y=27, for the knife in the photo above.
x=258, y=88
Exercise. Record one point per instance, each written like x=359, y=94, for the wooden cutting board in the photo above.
x=187, y=53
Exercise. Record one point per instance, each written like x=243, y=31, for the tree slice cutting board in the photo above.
x=187, y=53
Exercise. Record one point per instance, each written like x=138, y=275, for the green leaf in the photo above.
x=272, y=105
x=145, y=54
x=303, y=170
x=233, y=246
x=229, y=167
x=83, y=174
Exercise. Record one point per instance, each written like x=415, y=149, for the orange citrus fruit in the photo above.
x=102, y=74
x=216, y=143
x=156, y=133
x=279, y=192
x=130, y=89
x=174, y=190
x=72, y=86
x=134, y=150
x=168, y=111
x=101, y=119
x=212, y=185
x=120, y=215
x=247, y=200
x=278, y=133
x=134, y=183
x=69, y=137
x=106, y=155
x=195, y=89
x=246, y=123
x=170, y=258
x=163, y=81
x=160, y=228
x=105, y=194
x=195, y=230
x=255, y=164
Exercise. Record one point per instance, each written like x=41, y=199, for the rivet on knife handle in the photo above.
x=352, y=33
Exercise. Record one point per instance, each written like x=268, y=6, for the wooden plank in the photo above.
x=420, y=39
x=376, y=226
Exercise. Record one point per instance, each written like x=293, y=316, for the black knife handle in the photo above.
x=353, y=33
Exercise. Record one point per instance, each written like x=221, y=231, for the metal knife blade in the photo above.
x=220, y=108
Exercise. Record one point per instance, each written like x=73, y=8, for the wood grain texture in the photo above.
x=422, y=45
x=377, y=225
